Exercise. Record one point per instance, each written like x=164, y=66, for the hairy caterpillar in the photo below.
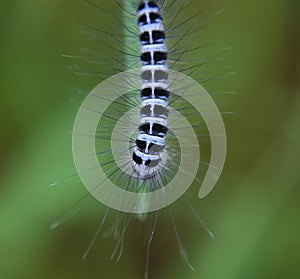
x=136, y=135
x=147, y=155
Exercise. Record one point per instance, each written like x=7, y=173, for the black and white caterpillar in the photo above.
x=150, y=143
x=137, y=134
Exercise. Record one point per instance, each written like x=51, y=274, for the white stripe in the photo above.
x=148, y=10
x=146, y=157
x=162, y=85
x=153, y=48
x=154, y=120
x=158, y=102
x=154, y=68
x=152, y=27
x=152, y=139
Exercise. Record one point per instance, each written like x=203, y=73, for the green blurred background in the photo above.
x=254, y=210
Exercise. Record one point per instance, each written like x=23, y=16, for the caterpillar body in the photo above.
x=154, y=93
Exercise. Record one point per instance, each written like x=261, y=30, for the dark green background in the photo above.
x=254, y=210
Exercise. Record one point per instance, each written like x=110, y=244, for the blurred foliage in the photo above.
x=254, y=210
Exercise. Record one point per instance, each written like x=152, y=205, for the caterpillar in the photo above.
x=154, y=111
x=136, y=134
